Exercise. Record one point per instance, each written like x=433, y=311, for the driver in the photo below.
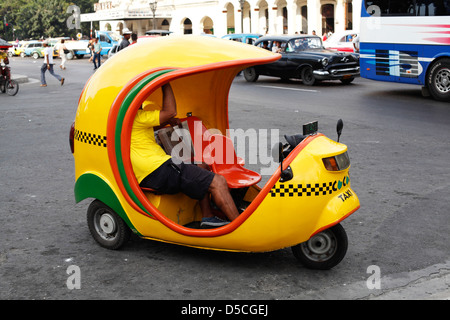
x=155, y=169
x=4, y=70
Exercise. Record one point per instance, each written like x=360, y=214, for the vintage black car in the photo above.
x=304, y=57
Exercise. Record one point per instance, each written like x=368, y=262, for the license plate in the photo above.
x=310, y=128
x=346, y=76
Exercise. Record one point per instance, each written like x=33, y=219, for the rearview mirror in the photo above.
x=339, y=126
x=277, y=152
x=277, y=155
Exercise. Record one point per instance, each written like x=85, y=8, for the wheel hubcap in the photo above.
x=105, y=226
x=442, y=81
x=320, y=247
x=107, y=223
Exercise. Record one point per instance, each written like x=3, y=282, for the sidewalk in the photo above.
x=430, y=283
x=20, y=78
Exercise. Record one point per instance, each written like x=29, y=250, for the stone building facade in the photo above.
x=219, y=17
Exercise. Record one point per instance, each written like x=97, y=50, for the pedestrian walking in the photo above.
x=125, y=41
x=356, y=44
x=48, y=65
x=97, y=54
x=62, y=54
x=91, y=49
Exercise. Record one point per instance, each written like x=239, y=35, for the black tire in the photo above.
x=12, y=87
x=438, y=81
x=324, y=250
x=250, y=74
x=36, y=55
x=307, y=76
x=347, y=80
x=106, y=227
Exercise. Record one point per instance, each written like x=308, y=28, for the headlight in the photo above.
x=337, y=163
x=324, y=62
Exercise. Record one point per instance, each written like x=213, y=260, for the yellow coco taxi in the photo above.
x=300, y=206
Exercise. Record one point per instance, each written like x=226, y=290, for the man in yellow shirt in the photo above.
x=155, y=169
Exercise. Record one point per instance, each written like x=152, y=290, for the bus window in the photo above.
x=433, y=8
x=410, y=7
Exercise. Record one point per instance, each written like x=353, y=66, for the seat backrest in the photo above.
x=198, y=132
x=220, y=151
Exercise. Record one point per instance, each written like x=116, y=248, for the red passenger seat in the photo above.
x=217, y=151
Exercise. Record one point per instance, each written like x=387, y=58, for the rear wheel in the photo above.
x=70, y=55
x=324, y=250
x=250, y=74
x=107, y=228
x=12, y=87
x=307, y=76
x=36, y=55
x=438, y=81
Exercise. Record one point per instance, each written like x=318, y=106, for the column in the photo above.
x=314, y=21
x=273, y=19
x=291, y=8
x=357, y=14
x=220, y=23
x=255, y=21
x=339, y=16
x=238, y=19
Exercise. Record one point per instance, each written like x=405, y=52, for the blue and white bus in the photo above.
x=407, y=41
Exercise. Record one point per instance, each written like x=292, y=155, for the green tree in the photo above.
x=40, y=18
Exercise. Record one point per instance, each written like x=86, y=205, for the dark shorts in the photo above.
x=171, y=178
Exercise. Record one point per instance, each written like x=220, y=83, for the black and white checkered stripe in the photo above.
x=90, y=138
x=302, y=190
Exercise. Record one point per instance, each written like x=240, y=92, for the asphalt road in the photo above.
x=399, y=148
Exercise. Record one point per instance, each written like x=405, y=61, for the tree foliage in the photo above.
x=36, y=19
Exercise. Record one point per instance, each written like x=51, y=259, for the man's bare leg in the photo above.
x=222, y=197
x=205, y=207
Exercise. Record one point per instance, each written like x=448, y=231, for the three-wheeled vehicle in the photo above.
x=301, y=205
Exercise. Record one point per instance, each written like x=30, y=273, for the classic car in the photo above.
x=157, y=32
x=249, y=38
x=15, y=49
x=33, y=48
x=341, y=41
x=304, y=57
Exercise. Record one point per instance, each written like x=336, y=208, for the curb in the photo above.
x=19, y=78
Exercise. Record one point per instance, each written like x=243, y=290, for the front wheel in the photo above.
x=307, y=76
x=250, y=74
x=438, y=81
x=347, y=80
x=324, y=250
x=107, y=228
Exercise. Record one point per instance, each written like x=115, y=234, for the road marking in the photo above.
x=295, y=89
